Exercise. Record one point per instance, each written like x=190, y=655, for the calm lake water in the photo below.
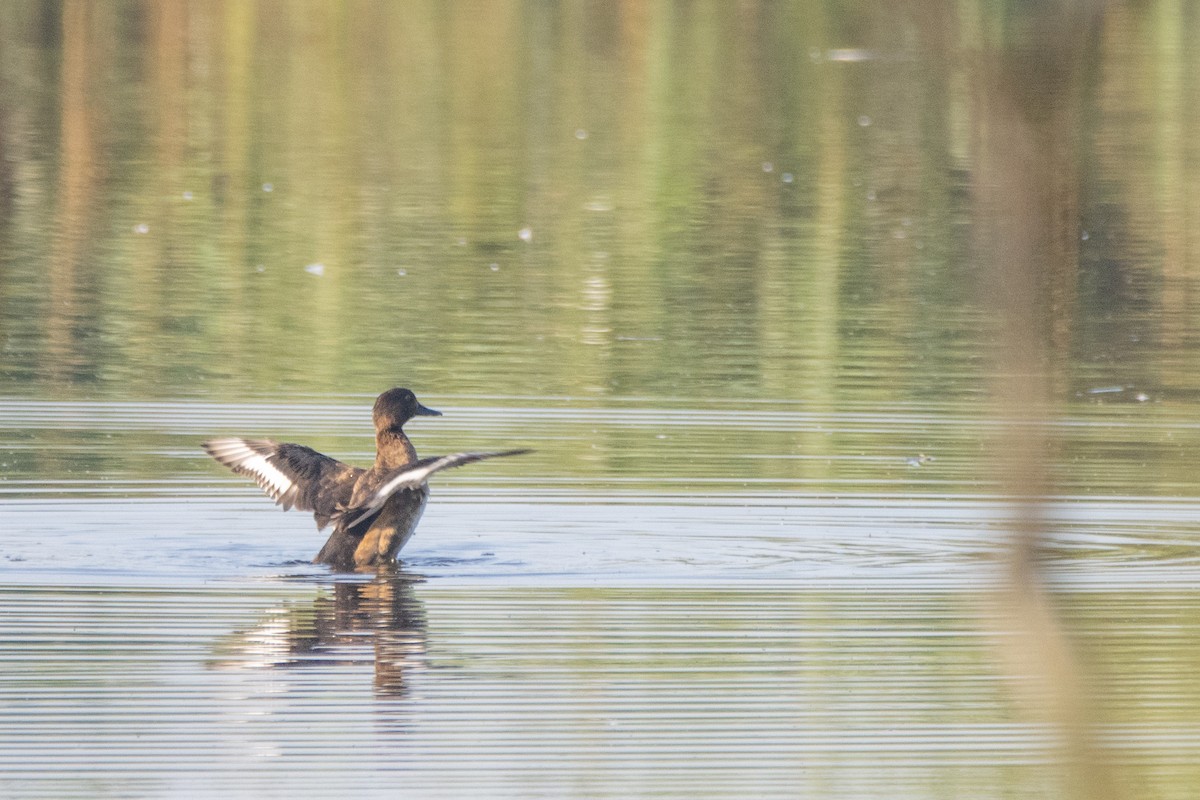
x=739, y=273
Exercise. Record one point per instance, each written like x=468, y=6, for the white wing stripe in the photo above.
x=410, y=479
x=416, y=477
x=239, y=456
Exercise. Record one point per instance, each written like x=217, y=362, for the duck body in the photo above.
x=374, y=511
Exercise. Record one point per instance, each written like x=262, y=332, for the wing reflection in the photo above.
x=379, y=622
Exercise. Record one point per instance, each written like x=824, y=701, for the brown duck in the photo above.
x=374, y=511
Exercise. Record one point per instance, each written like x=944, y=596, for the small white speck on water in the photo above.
x=187, y=195
x=401, y=272
x=787, y=177
x=864, y=121
x=494, y=267
x=1084, y=236
x=259, y=268
x=580, y=134
x=268, y=187
x=767, y=166
x=525, y=234
x=317, y=269
x=141, y=227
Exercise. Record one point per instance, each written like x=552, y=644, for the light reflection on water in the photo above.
x=670, y=633
x=516, y=685
x=453, y=691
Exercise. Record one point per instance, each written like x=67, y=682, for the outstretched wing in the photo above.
x=412, y=476
x=291, y=474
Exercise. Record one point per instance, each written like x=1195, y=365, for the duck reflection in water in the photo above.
x=379, y=621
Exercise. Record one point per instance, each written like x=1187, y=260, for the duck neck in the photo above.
x=393, y=449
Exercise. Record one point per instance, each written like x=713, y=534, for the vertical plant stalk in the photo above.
x=1026, y=207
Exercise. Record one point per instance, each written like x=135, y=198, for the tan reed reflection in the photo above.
x=1026, y=214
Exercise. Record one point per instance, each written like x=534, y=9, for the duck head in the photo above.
x=397, y=406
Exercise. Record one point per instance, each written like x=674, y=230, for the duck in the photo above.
x=374, y=511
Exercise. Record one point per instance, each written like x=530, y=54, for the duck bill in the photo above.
x=422, y=411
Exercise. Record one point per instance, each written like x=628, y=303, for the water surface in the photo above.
x=726, y=268
x=682, y=633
